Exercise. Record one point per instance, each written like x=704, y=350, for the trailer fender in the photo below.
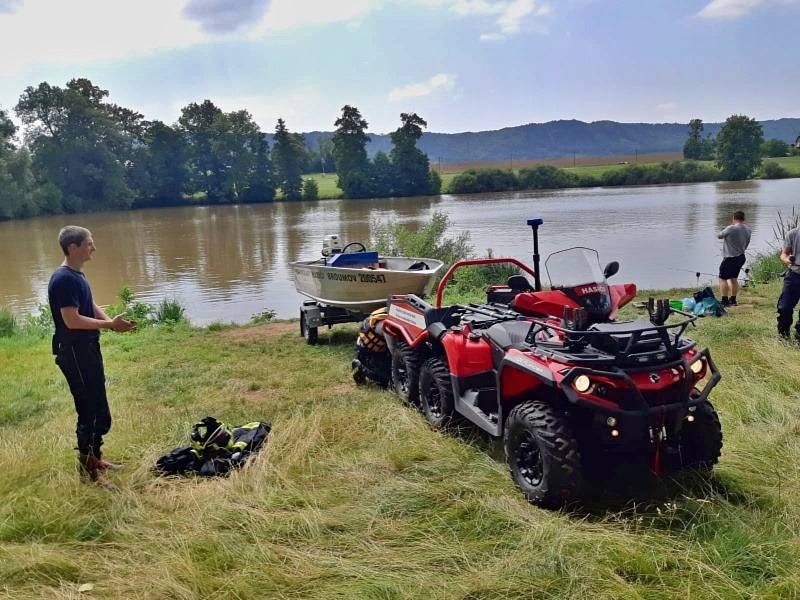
x=312, y=314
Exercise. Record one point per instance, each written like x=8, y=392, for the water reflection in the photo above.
x=229, y=262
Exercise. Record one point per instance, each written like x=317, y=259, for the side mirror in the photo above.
x=611, y=269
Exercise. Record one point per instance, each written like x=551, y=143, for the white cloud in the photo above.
x=666, y=106
x=440, y=81
x=289, y=14
x=42, y=31
x=85, y=31
x=733, y=9
x=508, y=15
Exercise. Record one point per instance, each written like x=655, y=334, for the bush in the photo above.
x=774, y=148
x=265, y=316
x=773, y=170
x=41, y=323
x=546, y=177
x=310, y=190
x=475, y=181
x=427, y=242
x=8, y=323
x=140, y=312
x=766, y=266
x=666, y=172
x=435, y=182
x=170, y=311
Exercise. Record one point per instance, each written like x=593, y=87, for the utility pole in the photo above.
x=512, y=162
x=573, y=158
x=636, y=155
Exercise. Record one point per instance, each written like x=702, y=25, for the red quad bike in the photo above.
x=556, y=375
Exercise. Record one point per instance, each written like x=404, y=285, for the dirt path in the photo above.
x=261, y=332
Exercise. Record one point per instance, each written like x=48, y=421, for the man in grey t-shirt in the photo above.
x=791, y=283
x=735, y=239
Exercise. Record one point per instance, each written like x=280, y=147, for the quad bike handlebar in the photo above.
x=475, y=262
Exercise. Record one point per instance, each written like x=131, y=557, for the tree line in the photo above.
x=83, y=153
x=737, y=149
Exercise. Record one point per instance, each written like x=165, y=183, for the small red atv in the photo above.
x=555, y=374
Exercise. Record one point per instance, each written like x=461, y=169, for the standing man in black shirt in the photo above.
x=76, y=345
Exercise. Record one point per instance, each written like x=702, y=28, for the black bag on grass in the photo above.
x=215, y=448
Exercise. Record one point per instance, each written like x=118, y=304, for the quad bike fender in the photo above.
x=394, y=333
x=519, y=372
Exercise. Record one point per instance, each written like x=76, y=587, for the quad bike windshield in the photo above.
x=577, y=273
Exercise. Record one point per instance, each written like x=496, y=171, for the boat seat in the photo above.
x=511, y=334
x=353, y=259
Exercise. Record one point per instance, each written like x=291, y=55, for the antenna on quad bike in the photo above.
x=534, y=225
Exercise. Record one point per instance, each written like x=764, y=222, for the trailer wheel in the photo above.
x=543, y=455
x=700, y=440
x=405, y=372
x=436, y=392
x=310, y=334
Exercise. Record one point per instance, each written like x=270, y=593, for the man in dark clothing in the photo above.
x=735, y=239
x=76, y=345
x=791, y=283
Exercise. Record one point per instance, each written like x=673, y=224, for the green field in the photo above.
x=354, y=496
x=329, y=189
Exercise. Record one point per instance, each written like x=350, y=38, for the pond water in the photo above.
x=226, y=263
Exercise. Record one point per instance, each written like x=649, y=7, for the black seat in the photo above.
x=510, y=334
x=447, y=315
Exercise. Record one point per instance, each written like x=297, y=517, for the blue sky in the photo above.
x=461, y=64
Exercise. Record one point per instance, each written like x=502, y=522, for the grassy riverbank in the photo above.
x=328, y=188
x=355, y=497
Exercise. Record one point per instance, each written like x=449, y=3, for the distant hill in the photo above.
x=559, y=139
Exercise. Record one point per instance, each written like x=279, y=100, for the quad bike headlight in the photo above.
x=698, y=366
x=582, y=383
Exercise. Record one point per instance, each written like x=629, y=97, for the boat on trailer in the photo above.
x=345, y=286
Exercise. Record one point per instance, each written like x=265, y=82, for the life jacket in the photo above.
x=368, y=335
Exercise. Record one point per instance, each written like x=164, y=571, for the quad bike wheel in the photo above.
x=436, y=392
x=543, y=455
x=700, y=441
x=405, y=373
x=310, y=334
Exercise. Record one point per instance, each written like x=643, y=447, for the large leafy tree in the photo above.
x=411, y=165
x=205, y=172
x=697, y=147
x=16, y=181
x=739, y=147
x=693, y=148
x=239, y=149
x=159, y=172
x=81, y=145
x=350, y=154
x=289, y=156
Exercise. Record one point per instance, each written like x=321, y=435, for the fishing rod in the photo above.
x=698, y=273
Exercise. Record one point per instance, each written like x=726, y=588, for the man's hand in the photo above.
x=120, y=324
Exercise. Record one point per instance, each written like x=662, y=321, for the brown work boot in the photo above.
x=104, y=465
x=89, y=468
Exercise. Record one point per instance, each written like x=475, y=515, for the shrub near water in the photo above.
x=476, y=181
x=8, y=323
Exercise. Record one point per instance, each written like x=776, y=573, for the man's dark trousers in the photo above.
x=82, y=365
x=789, y=297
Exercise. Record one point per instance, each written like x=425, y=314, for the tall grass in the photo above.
x=8, y=323
x=354, y=496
